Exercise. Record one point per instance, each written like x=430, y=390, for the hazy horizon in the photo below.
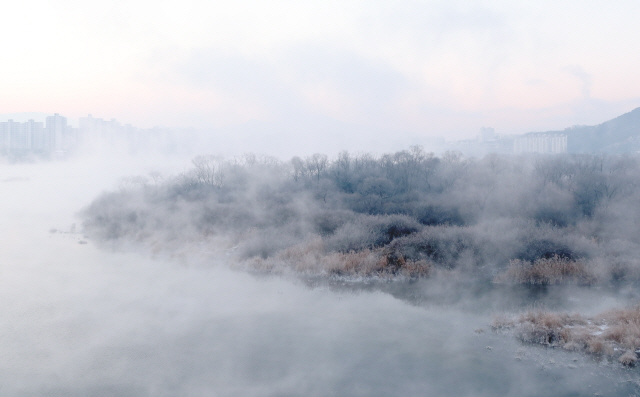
x=419, y=68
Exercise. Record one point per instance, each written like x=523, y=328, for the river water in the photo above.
x=78, y=320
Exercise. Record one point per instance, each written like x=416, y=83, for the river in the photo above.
x=80, y=320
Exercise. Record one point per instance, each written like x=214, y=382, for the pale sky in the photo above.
x=422, y=68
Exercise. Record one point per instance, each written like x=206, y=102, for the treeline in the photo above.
x=407, y=213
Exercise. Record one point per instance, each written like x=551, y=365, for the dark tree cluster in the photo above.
x=474, y=216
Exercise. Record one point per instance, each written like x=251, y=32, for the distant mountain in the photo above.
x=619, y=135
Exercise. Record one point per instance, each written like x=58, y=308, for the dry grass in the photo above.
x=554, y=270
x=311, y=258
x=365, y=262
x=502, y=321
x=629, y=358
x=613, y=334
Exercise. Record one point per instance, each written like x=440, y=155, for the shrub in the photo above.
x=545, y=271
x=327, y=222
x=554, y=216
x=445, y=246
x=536, y=248
x=432, y=215
x=371, y=232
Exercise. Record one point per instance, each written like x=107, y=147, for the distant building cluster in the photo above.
x=487, y=134
x=56, y=137
x=108, y=131
x=53, y=136
x=540, y=143
x=488, y=141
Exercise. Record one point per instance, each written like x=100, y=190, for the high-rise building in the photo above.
x=56, y=128
x=4, y=136
x=39, y=140
x=11, y=135
x=20, y=137
x=27, y=136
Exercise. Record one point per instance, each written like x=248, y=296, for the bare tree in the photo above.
x=131, y=182
x=316, y=164
x=299, y=168
x=156, y=177
x=342, y=171
x=209, y=171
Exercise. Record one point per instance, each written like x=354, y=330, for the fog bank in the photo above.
x=81, y=321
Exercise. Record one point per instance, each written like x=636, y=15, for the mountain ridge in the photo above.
x=618, y=135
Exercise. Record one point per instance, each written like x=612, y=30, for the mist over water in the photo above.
x=79, y=320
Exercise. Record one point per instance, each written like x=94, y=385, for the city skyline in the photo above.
x=56, y=135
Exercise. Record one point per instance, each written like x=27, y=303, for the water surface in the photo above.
x=78, y=320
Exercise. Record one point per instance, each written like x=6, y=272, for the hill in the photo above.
x=619, y=135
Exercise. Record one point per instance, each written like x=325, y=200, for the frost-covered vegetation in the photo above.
x=611, y=334
x=512, y=219
x=547, y=271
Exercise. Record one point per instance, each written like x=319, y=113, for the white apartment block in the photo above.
x=540, y=143
x=33, y=136
x=57, y=127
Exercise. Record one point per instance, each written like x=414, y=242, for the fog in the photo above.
x=406, y=213
x=291, y=198
x=102, y=319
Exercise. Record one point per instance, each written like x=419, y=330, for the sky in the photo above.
x=377, y=68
